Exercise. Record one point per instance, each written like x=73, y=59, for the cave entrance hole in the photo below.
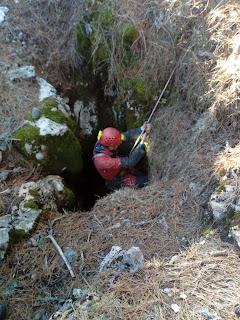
x=89, y=186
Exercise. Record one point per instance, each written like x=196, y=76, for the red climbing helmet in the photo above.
x=111, y=137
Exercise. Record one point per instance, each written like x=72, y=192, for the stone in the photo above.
x=54, y=145
x=168, y=291
x=36, y=113
x=3, y=311
x=46, y=89
x=24, y=219
x=175, y=307
x=131, y=260
x=183, y=296
x=237, y=310
x=224, y=199
x=79, y=294
x=86, y=116
x=40, y=315
x=26, y=72
x=4, y=242
x=49, y=127
x=47, y=192
x=235, y=234
x=28, y=148
x=5, y=226
x=39, y=156
x=70, y=254
x=209, y=315
x=3, y=12
x=4, y=175
x=204, y=55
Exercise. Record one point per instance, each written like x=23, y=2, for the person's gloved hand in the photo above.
x=146, y=127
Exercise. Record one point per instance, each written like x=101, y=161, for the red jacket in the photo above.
x=107, y=166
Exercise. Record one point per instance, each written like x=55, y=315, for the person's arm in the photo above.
x=132, y=134
x=134, y=157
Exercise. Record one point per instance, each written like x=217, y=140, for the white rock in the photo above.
x=39, y=156
x=48, y=126
x=131, y=260
x=235, y=233
x=175, y=307
x=4, y=240
x=46, y=89
x=183, y=296
x=3, y=12
x=25, y=218
x=28, y=148
x=168, y=291
x=222, y=202
x=86, y=115
x=27, y=72
x=209, y=315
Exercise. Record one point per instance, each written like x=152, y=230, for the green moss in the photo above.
x=205, y=231
x=50, y=110
x=31, y=204
x=141, y=93
x=50, y=102
x=61, y=152
x=222, y=185
x=99, y=48
x=69, y=198
x=27, y=134
x=16, y=235
x=34, y=193
x=129, y=34
x=83, y=42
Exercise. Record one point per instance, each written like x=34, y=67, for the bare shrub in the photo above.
x=49, y=27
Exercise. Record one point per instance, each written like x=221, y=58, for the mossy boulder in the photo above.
x=33, y=200
x=50, y=141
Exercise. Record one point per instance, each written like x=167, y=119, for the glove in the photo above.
x=146, y=127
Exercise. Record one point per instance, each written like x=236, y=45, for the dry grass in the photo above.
x=227, y=159
x=208, y=278
x=16, y=100
x=224, y=23
x=49, y=28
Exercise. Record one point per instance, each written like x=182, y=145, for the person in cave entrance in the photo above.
x=120, y=170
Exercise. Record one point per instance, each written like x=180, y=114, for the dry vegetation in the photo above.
x=187, y=152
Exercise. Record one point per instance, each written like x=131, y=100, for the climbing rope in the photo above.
x=159, y=98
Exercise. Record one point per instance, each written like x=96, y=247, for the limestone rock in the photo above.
x=48, y=193
x=26, y=72
x=226, y=199
x=4, y=234
x=3, y=11
x=46, y=89
x=235, y=233
x=86, y=116
x=131, y=260
x=32, y=199
x=50, y=140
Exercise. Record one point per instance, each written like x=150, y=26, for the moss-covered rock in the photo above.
x=50, y=140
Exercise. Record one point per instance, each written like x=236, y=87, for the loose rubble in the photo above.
x=121, y=260
x=32, y=199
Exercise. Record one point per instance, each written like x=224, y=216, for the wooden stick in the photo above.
x=59, y=250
